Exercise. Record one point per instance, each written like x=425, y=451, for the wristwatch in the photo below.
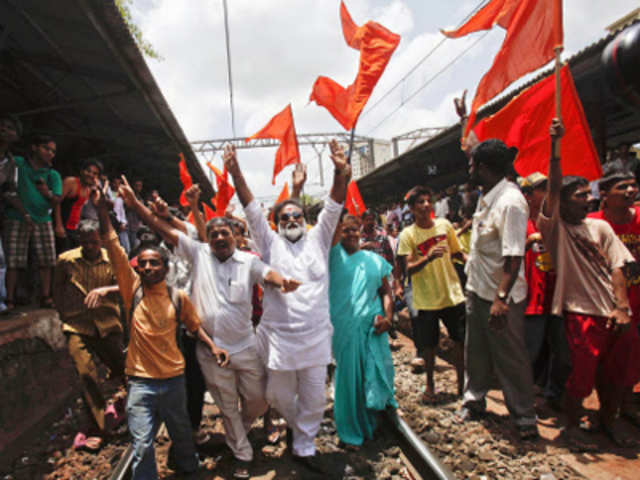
x=502, y=296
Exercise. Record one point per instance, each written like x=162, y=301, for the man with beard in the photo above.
x=497, y=291
x=294, y=335
x=591, y=292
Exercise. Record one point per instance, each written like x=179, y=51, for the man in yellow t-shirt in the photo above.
x=426, y=249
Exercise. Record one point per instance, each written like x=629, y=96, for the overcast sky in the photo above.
x=279, y=47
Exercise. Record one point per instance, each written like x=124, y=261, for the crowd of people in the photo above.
x=536, y=288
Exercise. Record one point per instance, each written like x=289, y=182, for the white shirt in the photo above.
x=295, y=329
x=118, y=209
x=499, y=230
x=441, y=208
x=221, y=292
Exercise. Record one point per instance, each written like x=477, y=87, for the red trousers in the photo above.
x=595, y=346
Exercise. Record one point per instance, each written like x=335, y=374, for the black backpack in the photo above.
x=138, y=294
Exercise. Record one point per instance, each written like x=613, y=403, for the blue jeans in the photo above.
x=149, y=403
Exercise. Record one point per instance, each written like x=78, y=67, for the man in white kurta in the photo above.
x=294, y=335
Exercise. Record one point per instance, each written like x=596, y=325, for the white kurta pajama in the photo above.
x=222, y=293
x=294, y=334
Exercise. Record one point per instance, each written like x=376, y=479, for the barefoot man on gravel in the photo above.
x=294, y=335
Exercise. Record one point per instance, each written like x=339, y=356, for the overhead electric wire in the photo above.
x=403, y=103
x=422, y=60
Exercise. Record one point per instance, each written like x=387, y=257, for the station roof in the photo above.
x=71, y=69
x=439, y=162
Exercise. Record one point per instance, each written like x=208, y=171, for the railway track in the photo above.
x=420, y=462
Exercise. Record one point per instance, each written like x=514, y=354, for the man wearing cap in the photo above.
x=591, y=294
x=539, y=323
x=618, y=190
x=496, y=291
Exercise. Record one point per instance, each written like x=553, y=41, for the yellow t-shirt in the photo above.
x=436, y=285
x=464, y=239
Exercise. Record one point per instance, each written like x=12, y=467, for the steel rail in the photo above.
x=424, y=460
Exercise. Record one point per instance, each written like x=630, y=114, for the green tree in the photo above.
x=144, y=45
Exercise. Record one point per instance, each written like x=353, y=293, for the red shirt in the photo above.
x=629, y=233
x=540, y=275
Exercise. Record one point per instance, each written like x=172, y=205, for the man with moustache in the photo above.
x=497, y=291
x=294, y=335
x=154, y=364
x=223, y=279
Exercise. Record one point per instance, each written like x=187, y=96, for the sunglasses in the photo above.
x=288, y=216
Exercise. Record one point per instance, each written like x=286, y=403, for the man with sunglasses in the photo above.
x=294, y=335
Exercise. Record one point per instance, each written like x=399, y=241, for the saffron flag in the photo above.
x=281, y=128
x=354, y=203
x=284, y=195
x=534, y=29
x=186, y=180
x=376, y=45
x=225, y=190
x=524, y=123
x=208, y=213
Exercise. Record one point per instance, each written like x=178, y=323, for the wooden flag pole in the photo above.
x=353, y=131
x=558, y=68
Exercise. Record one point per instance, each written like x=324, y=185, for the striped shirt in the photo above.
x=73, y=279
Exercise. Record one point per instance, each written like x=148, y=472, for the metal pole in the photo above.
x=226, y=36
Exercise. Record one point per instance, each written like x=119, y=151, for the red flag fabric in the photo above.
x=284, y=195
x=354, y=203
x=524, y=123
x=376, y=45
x=534, y=29
x=186, y=180
x=281, y=127
x=225, y=190
x=208, y=213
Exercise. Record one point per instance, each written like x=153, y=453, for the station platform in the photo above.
x=37, y=378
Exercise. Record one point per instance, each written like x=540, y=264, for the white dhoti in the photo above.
x=299, y=395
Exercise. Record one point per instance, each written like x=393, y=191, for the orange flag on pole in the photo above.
x=225, y=190
x=208, y=213
x=284, y=194
x=186, y=180
x=524, y=123
x=534, y=30
x=376, y=45
x=354, y=203
x=281, y=128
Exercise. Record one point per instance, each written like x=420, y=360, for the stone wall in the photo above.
x=36, y=374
